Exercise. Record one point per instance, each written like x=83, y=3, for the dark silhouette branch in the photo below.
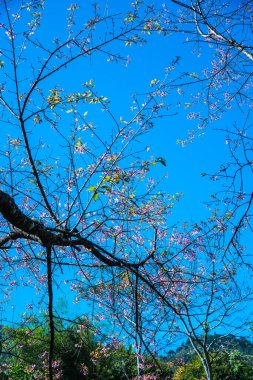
x=35, y=230
x=50, y=311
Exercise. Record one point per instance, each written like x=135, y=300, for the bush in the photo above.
x=225, y=366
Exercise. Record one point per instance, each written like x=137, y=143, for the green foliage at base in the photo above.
x=82, y=354
x=225, y=366
x=17, y=372
x=79, y=355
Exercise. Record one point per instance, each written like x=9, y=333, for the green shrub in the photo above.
x=225, y=366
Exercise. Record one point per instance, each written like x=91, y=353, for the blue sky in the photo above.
x=119, y=83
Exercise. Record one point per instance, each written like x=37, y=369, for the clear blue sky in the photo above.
x=118, y=83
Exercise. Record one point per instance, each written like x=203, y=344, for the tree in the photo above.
x=77, y=199
x=225, y=86
x=188, y=293
x=76, y=203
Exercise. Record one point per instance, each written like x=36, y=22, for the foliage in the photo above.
x=227, y=366
x=113, y=362
x=31, y=348
x=216, y=342
x=79, y=354
x=82, y=354
x=19, y=372
x=191, y=371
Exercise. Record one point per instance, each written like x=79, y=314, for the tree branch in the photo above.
x=33, y=229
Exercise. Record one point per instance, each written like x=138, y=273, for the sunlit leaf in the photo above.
x=91, y=188
x=153, y=81
x=95, y=197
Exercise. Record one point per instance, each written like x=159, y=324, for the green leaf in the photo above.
x=91, y=188
x=95, y=197
x=153, y=81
